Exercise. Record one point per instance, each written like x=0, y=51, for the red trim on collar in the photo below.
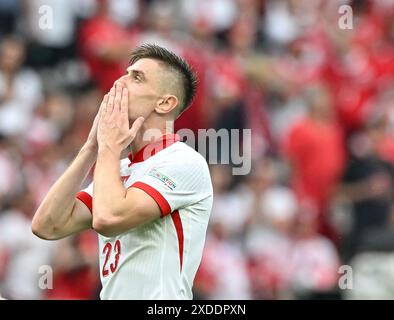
x=153, y=148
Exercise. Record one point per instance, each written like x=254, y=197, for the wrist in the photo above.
x=90, y=148
x=88, y=153
x=105, y=149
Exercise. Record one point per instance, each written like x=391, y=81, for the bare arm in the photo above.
x=60, y=213
x=115, y=208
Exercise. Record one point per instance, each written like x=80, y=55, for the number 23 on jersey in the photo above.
x=113, y=264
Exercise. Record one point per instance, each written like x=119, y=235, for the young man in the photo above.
x=151, y=209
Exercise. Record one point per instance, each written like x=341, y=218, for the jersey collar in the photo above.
x=163, y=142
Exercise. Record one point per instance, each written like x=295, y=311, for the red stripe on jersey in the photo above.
x=176, y=218
x=86, y=198
x=156, y=195
x=163, y=142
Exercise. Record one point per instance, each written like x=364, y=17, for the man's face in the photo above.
x=143, y=83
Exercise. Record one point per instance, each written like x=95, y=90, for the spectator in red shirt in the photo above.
x=105, y=47
x=316, y=152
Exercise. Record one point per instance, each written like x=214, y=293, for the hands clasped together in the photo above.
x=111, y=127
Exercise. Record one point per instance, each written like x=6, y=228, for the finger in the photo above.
x=137, y=124
x=103, y=105
x=118, y=97
x=102, y=110
x=124, y=103
x=110, y=104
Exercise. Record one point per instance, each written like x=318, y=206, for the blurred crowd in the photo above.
x=318, y=98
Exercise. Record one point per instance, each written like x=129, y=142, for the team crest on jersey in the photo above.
x=163, y=178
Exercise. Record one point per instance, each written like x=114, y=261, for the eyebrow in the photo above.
x=138, y=72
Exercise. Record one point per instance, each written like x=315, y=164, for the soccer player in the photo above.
x=151, y=209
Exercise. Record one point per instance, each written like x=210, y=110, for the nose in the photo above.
x=121, y=81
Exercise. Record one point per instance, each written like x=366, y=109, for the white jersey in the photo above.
x=159, y=260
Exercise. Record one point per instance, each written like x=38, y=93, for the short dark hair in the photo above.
x=180, y=66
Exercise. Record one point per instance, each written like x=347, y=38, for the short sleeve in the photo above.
x=176, y=184
x=86, y=196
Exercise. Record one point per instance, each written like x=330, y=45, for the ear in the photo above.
x=166, y=104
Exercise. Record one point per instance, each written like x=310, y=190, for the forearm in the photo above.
x=109, y=192
x=111, y=206
x=115, y=208
x=56, y=208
